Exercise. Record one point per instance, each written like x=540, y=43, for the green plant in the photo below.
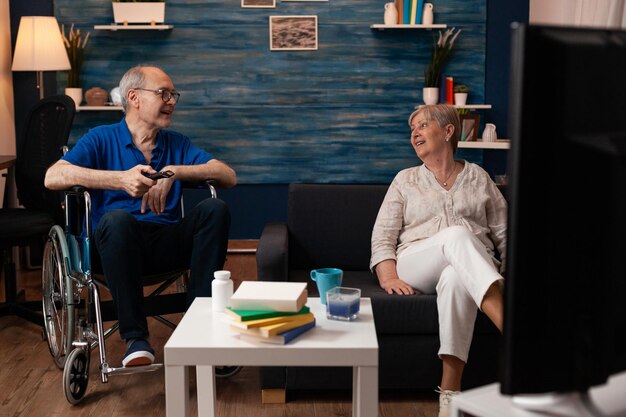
x=441, y=53
x=461, y=88
x=138, y=1
x=75, y=47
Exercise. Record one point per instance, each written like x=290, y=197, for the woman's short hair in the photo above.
x=133, y=78
x=444, y=115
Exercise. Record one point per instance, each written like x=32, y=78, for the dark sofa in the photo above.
x=330, y=226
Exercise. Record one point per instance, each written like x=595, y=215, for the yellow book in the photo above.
x=274, y=329
x=250, y=324
x=248, y=315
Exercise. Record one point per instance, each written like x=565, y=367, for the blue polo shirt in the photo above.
x=111, y=148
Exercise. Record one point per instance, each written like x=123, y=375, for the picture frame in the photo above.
x=258, y=4
x=293, y=33
x=469, y=127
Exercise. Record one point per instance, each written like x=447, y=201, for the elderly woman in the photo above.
x=436, y=232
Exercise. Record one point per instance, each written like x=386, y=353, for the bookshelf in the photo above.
x=466, y=106
x=427, y=27
x=115, y=27
x=501, y=144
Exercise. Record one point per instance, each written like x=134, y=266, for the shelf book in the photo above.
x=276, y=328
x=255, y=315
x=281, y=338
x=400, y=9
x=269, y=321
x=270, y=295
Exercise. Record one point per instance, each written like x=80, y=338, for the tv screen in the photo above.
x=565, y=284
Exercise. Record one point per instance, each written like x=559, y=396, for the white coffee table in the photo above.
x=203, y=339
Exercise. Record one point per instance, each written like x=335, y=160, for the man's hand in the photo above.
x=156, y=195
x=134, y=182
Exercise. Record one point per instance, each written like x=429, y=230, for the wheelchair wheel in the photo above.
x=76, y=376
x=57, y=297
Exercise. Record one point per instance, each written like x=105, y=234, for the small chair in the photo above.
x=47, y=130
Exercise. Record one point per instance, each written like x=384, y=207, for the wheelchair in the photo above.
x=73, y=315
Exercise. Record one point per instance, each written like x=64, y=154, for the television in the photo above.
x=565, y=283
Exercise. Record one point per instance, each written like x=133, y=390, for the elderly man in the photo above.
x=137, y=222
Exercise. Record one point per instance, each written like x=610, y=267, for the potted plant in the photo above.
x=75, y=46
x=139, y=11
x=460, y=94
x=441, y=53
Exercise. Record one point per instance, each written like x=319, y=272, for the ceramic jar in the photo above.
x=427, y=14
x=96, y=96
x=76, y=94
x=116, y=96
x=489, y=134
x=391, y=14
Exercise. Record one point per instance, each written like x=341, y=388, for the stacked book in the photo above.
x=270, y=312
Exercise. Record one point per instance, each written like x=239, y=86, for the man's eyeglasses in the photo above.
x=166, y=95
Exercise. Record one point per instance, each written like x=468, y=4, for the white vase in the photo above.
x=150, y=12
x=489, y=134
x=430, y=95
x=427, y=14
x=460, y=99
x=391, y=14
x=76, y=94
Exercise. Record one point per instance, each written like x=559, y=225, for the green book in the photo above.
x=246, y=315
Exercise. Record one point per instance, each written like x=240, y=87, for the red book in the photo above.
x=449, y=90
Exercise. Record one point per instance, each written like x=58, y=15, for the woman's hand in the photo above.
x=389, y=280
x=398, y=286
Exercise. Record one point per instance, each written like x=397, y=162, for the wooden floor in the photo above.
x=31, y=385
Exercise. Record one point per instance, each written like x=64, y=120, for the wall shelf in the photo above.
x=428, y=27
x=115, y=27
x=466, y=106
x=99, y=108
x=499, y=144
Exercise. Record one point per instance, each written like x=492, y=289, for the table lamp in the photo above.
x=39, y=47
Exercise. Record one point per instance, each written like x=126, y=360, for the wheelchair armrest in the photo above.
x=272, y=253
x=202, y=185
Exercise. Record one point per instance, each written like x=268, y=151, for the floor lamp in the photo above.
x=39, y=47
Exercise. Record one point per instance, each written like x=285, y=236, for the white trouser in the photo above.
x=456, y=265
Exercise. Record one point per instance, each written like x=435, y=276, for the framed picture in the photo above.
x=293, y=33
x=259, y=4
x=469, y=127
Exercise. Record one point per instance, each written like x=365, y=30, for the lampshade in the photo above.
x=39, y=45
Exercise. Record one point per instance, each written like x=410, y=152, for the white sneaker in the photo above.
x=445, y=399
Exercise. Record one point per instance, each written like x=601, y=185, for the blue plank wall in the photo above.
x=335, y=115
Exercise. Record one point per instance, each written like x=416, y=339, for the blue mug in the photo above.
x=326, y=279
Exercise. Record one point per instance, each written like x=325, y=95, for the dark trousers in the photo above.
x=129, y=249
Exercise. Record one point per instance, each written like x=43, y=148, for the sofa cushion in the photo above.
x=332, y=225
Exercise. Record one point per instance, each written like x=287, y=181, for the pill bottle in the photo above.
x=221, y=290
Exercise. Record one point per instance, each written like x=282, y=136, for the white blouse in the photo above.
x=416, y=207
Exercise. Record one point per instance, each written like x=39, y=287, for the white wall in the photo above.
x=7, y=113
x=557, y=12
x=594, y=13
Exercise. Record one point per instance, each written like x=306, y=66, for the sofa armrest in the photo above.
x=272, y=254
